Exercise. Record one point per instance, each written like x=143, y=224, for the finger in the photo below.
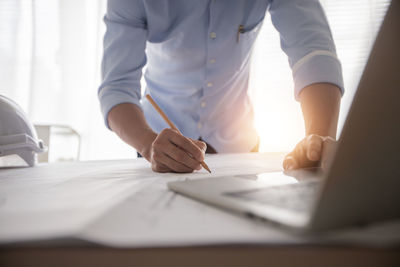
x=162, y=145
x=313, y=147
x=181, y=156
x=161, y=158
x=328, y=151
x=159, y=167
x=202, y=145
x=299, y=155
x=290, y=163
x=328, y=139
x=186, y=144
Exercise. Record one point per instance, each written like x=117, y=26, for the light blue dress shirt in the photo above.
x=198, y=64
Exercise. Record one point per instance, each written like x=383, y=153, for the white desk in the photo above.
x=121, y=211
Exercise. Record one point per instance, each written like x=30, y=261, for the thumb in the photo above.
x=289, y=162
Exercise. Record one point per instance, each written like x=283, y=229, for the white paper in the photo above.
x=156, y=216
x=125, y=204
x=54, y=201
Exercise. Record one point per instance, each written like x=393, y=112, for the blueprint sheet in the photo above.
x=125, y=204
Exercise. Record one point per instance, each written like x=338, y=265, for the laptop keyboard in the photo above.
x=297, y=197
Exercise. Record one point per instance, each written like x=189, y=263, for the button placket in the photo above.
x=210, y=61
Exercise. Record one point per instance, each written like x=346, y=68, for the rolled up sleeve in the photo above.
x=124, y=55
x=307, y=41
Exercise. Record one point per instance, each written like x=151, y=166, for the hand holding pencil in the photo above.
x=188, y=154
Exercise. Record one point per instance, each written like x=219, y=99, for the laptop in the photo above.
x=362, y=181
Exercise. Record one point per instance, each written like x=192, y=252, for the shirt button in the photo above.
x=213, y=35
x=199, y=125
x=209, y=84
x=212, y=61
x=203, y=104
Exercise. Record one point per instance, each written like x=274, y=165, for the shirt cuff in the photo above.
x=319, y=68
x=110, y=98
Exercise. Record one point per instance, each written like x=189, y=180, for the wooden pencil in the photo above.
x=171, y=124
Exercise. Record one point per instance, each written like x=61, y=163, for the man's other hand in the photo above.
x=308, y=152
x=172, y=152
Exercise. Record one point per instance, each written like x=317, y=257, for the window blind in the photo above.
x=354, y=25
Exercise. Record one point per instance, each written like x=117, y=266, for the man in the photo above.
x=197, y=54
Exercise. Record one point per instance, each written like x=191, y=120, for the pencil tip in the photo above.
x=205, y=166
